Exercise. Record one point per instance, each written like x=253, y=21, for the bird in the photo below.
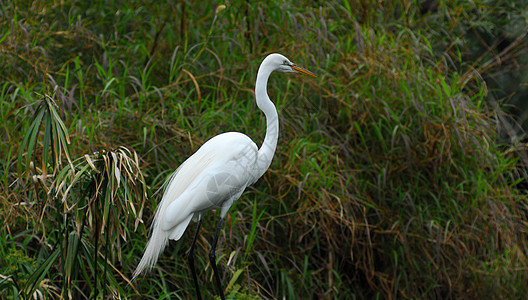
x=215, y=176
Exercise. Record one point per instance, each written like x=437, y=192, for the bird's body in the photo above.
x=226, y=162
x=216, y=175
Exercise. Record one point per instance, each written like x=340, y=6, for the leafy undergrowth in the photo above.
x=388, y=181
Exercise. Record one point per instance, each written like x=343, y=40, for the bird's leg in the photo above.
x=190, y=259
x=212, y=259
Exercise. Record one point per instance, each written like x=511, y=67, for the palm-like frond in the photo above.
x=55, y=139
x=107, y=188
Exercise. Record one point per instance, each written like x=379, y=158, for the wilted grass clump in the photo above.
x=388, y=181
x=418, y=187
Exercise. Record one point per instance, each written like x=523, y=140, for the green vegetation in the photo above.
x=394, y=175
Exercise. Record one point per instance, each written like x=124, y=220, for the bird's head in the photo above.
x=278, y=62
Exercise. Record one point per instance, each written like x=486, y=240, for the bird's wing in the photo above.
x=220, y=170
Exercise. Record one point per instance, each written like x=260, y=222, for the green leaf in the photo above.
x=29, y=139
x=36, y=278
x=234, y=279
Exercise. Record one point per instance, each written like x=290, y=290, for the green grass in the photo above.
x=390, y=179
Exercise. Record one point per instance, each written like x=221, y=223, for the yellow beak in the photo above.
x=298, y=69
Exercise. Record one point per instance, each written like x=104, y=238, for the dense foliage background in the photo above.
x=400, y=170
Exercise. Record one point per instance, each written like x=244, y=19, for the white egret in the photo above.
x=215, y=176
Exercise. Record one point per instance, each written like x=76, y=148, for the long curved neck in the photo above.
x=267, y=150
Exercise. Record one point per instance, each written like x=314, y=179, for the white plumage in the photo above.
x=217, y=174
x=201, y=183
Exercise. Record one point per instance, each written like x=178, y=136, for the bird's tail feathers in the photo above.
x=155, y=246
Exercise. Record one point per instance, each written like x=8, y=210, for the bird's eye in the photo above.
x=285, y=63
